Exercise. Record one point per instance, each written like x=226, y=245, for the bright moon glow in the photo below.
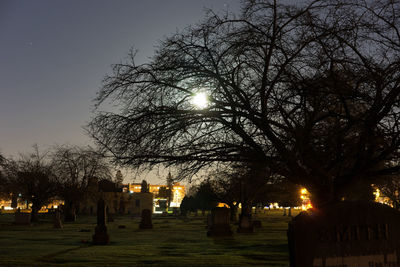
x=200, y=100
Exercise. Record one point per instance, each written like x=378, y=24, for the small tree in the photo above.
x=205, y=198
x=188, y=205
x=75, y=166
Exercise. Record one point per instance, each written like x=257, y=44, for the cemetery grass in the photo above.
x=172, y=242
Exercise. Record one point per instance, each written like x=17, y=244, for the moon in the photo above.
x=200, y=100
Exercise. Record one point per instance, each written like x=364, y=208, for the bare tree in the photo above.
x=32, y=177
x=309, y=90
x=75, y=166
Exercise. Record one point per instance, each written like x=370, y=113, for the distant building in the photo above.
x=178, y=191
x=118, y=200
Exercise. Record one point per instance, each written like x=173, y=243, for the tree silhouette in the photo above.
x=32, y=177
x=309, y=90
x=74, y=167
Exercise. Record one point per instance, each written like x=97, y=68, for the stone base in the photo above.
x=100, y=236
x=220, y=230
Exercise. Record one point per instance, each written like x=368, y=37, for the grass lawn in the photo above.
x=172, y=242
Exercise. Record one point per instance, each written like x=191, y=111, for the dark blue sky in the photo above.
x=54, y=54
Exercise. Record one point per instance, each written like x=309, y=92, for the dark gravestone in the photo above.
x=346, y=234
x=22, y=218
x=100, y=236
x=209, y=221
x=110, y=217
x=146, y=223
x=57, y=219
x=245, y=224
x=220, y=222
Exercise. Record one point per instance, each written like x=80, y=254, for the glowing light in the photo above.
x=305, y=199
x=377, y=194
x=200, y=100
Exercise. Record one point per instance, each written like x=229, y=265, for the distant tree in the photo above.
x=5, y=191
x=188, y=205
x=227, y=189
x=205, y=198
x=165, y=192
x=284, y=192
x=74, y=167
x=31, y=176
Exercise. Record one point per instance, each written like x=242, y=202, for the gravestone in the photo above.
x=245, y=224
x=209, y=221
x=22, y=218
x=100, y=236
x=220, y=223
x=57, y=219
x=346, y=234
x=146, y=223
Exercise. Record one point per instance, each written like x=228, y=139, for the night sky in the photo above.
x=54, y=55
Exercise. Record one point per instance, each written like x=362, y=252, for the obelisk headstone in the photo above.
x=100, y=236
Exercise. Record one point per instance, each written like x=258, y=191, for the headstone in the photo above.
x=219, y=223
x=100, y=236
x=57, y=219
x=109, y=215
x=146, y=223
x=209, y=221
x=22, y=218
x=346, y=234
x=245, y=224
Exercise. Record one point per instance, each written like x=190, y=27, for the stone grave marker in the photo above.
x=57, y=219
x=346, y=234
x=101, y=236
x=146, y=223
x=220, y=224
x=209, y=221
x=245, y=224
